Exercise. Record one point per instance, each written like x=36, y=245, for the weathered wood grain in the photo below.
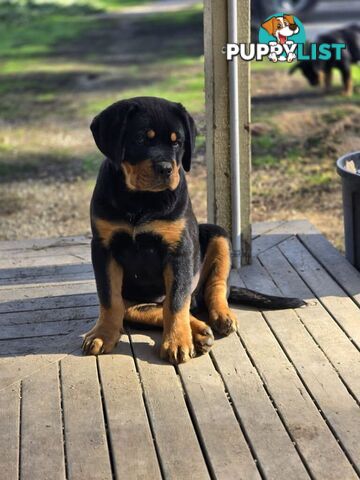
x=49, y=315
x=85, y=436
x=283, y=231
x=38, y=292
x=47, y=303
x=178, y=446
x=9, y=431
x=226, y=447
x=318, y=446
x=334, y=262
x=46, y=274
x=39, y=244
x=332, y=296
x=132, y=446
x=274, y=449
x=42, y=449
x=337, y=347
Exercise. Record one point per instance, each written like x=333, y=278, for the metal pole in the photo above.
x=234, y=137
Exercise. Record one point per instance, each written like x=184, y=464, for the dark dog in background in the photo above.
x=153, y=263
x=320, y=72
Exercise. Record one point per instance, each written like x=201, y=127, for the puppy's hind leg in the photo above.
x=215, y=247
x=345, y=69
x=328, y=80
x=151, y=314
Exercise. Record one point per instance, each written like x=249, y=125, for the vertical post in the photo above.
x=223, y=209
x=244, y=36
x=217, y=114
x=232, y=6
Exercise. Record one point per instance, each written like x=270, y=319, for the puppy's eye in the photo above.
x=279, y=25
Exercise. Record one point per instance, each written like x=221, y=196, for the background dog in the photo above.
x=320, y=72
x=153, y=263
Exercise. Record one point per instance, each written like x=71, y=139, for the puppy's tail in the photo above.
x=244, y=296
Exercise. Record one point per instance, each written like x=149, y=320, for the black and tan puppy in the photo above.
x=319, y=73
x=152, y=261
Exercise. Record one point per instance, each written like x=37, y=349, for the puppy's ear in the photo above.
x=290, y=19
x=269, y=25
x=108, y=128
x=190, y=136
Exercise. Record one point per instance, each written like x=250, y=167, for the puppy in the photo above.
x=281, y=28
x=153, y=263
x=320, y=72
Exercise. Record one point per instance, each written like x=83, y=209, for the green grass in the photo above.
x=30, y=28
x=30, y=31
x=178, y=86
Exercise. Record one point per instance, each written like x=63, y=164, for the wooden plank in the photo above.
x=228, y=453
x=132, y=446
x=14, y=369
x=42, y=450
x=318, y=446
x=48, y=315
x=331, y=295
x=217, y=114
x=85, y=437
x=9, y=432
x=274, y=449
x=21, y=294
x=46, y=329
x=334, y=262
x=47, y=303
x=279, y=234
x=47, y=343
x=262, y=228
x=43, y=243
x=51, y=274
x=66, y=257
x=343, y=355
x=178, y=447
x=339, y=408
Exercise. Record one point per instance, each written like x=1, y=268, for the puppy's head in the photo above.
x=149, y=138
x=281, y=27
x=309, y=70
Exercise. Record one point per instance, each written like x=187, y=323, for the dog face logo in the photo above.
x=281, y=27
x=282, y=32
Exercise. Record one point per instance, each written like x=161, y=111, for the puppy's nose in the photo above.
x=164, y=169
x=293, y=26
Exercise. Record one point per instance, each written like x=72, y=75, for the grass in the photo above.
x=50, y=50
x=177, y=86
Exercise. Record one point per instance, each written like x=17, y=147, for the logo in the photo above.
x=283, y=33
x=282, y=39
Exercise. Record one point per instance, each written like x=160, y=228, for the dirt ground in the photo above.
x=48, y=161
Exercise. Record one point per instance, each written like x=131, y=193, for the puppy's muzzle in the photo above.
x=163, y=169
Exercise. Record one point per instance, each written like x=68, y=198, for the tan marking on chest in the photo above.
x=170, y=231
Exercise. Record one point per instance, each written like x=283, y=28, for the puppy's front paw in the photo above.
x=100, y=339
x=223, y=320
x=177, y=348
x=202, y=334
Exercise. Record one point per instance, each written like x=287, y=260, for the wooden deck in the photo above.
x=278, y=401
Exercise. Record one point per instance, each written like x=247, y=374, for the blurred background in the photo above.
x=62, y=61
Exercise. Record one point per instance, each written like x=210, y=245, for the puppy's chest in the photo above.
x=143, y=236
